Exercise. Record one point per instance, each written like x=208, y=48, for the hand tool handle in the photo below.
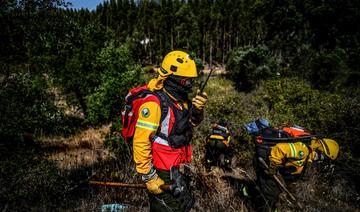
x=283, y=187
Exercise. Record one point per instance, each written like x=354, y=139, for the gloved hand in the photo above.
x=181, y=189
x=199, y=101
x=272, y=170
x=153, y=185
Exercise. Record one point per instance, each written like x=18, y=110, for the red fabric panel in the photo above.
x=164, y=157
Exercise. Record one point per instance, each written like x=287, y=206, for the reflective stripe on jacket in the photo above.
x=150, y=149
x=165, y=156
x=291, y=155
x=146, y=127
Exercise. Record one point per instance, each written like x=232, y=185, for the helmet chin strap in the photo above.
x=318, y=156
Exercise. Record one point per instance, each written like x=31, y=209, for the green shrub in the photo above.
x=148, y=69
x=325, y=70
x=248, y=65
x=329, y=69
x=121, y=73
x=284, y=102
x=27, y=106
x=292, y=101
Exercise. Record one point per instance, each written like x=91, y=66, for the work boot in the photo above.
x=208, y=165
x=227, y=165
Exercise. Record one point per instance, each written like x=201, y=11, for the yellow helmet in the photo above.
x=328, y=146
x=178, y=63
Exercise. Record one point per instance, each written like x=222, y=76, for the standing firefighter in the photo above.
x=218, y=147
x=163, y=132
x=285, y=153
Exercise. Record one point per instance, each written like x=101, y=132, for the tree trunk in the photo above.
x=82, y=101
x=223, y=48
x=203, y=43
x=172, y=39
x=211, y=52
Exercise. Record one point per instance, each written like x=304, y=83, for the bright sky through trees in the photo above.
x=89, y=4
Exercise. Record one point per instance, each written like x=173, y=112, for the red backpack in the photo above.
x=130, y=113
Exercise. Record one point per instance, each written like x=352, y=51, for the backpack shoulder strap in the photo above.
x=164, y=103
x=306, y=161
x=137, y=95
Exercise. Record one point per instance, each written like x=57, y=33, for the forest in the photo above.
x=64, y=74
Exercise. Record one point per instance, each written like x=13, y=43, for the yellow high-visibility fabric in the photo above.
x=146, y=127
x=290, y=155
x=156, y=83
x=219, y=137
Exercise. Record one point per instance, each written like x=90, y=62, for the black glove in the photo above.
x=272, y=170
x=181, y=191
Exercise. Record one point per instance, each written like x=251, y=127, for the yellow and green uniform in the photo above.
x=162, y=137
x=146, y=127
x=154, y=152
x=290, y=159
x=291, y=156
x=218, y=151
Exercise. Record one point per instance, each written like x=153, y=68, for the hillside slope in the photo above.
x=324, y=189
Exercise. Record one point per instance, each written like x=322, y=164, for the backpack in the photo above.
x=266, y=136
x=220, y=131
x=130, y=113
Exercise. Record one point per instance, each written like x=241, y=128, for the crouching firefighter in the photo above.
x=218, y=147
x=164, y=131
x=285, y=153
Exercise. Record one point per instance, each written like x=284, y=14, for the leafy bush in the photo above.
x=328, y=69
x=248, y=65
x=121, y=73
x=284, y=102
x=325, y=70
x=27, y=106
x=292, y=101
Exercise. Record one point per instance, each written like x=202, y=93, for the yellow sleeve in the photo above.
x=279, y=153
x=146, y=126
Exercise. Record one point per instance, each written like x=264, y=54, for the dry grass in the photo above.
x=212, y=192
x=84, y=149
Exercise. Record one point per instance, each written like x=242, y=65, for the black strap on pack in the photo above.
x=306, y=162
x=164, y=104
x=274, y=141
x=179, y=136
x=142, y=94
x=126, y=111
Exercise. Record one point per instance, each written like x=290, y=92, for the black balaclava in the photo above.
x=179, y=87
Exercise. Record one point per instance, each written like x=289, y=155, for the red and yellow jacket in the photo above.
x=150, y=149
